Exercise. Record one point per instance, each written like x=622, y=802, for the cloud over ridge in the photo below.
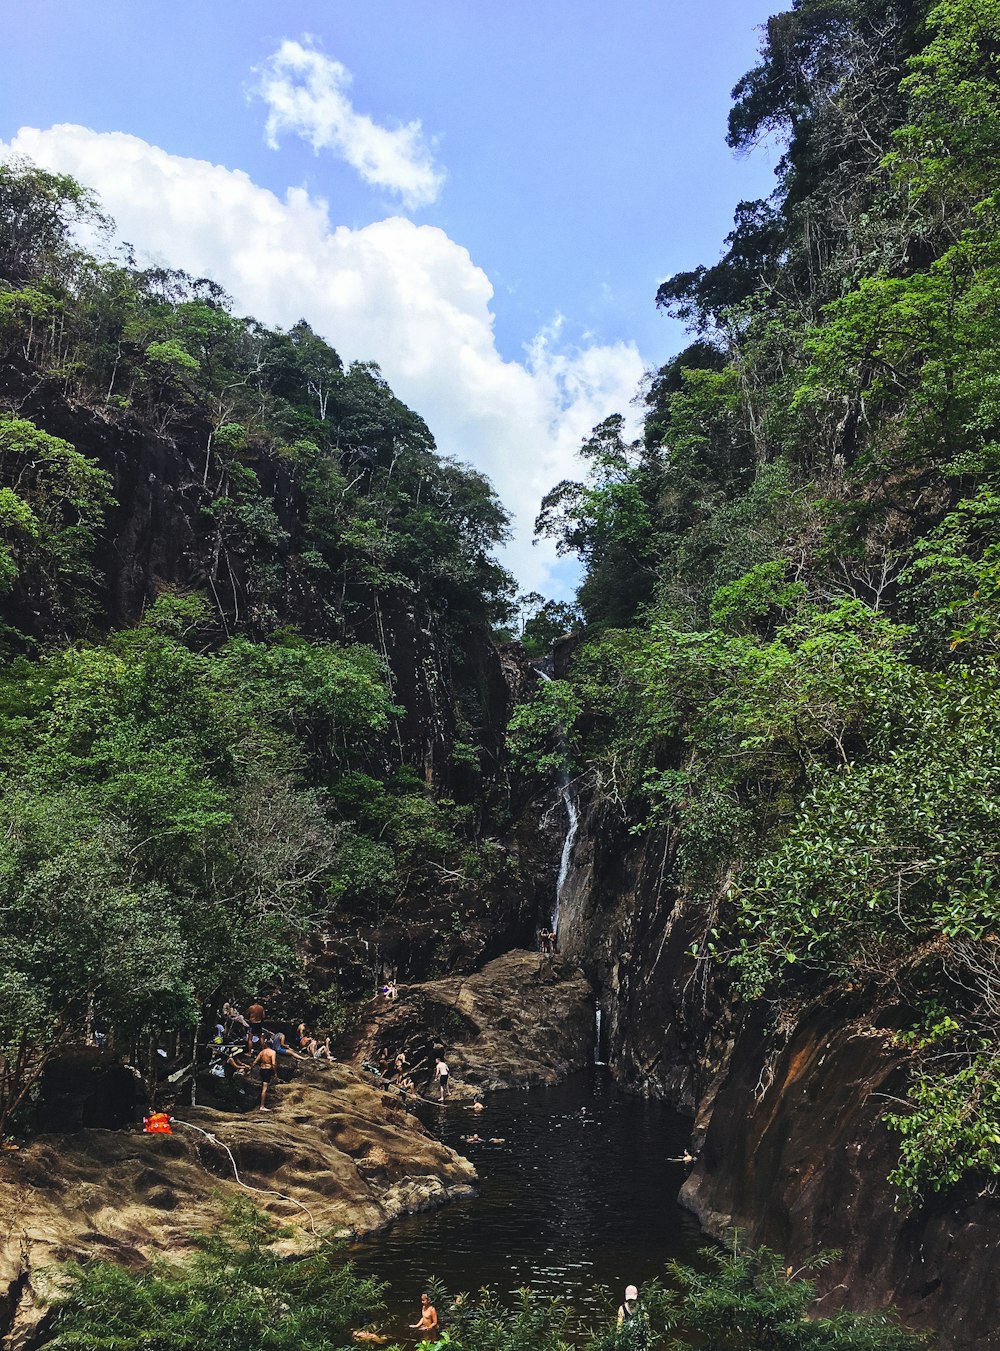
x=306, y=93
x=402, y=294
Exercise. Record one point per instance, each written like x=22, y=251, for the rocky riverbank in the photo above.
x=339, y=1153
x=335, y=1155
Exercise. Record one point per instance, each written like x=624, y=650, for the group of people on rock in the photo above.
x=250, y=1038
x=547, y=942
x=403, y=1071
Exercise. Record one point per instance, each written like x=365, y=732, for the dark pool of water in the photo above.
x=582, y=1195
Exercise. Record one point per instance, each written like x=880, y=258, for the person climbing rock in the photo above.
x=428, y=1321
x=441, y=1077
x=267, y=1060
x=402, y=1064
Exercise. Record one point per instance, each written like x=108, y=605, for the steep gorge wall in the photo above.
x=161, y=535
x=787, y=1118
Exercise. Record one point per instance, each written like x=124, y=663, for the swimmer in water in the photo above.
x=428, y=1321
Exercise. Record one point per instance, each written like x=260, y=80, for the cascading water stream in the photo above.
x=572, y=823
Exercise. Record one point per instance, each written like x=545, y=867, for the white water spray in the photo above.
x=572, y=822
x=597, y=1036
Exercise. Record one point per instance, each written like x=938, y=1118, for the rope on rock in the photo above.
x=236, y=1172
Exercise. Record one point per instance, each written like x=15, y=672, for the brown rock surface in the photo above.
x=523, y=1019
x=343, y=1156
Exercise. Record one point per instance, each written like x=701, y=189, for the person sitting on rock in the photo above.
x=240, y=1066
x=282, y=1047
x=322, y=1051
x=407, y=1085
x=233, y=1018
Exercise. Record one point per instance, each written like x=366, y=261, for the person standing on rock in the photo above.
x=428, y=1321
x=441, y=1077
x=267, y=1059
x=255, y=1025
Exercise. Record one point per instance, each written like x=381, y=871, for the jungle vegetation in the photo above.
x=193, y=776
x=236, y=1291
x=792, y=577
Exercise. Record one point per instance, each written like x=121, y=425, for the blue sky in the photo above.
x=500, y=260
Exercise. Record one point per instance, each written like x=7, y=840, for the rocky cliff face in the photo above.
x=787, y=1118
x=163, y=534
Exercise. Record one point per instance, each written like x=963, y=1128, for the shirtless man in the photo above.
x=428, y=1318
x=255, y=1026
x=441, y=1077
x=267, y=1059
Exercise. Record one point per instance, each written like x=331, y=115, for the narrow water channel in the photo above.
x=582, y=1195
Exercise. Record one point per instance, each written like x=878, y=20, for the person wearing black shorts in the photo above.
x=267, y=1061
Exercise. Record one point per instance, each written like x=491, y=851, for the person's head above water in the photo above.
x=631, y=1293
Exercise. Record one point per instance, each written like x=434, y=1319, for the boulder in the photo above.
x=523, y=1019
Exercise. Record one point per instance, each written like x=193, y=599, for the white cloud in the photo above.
x=305, y=93
x=404, y=295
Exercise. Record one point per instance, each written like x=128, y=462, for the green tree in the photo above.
x=237, y=1291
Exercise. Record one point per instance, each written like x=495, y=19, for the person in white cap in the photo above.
x=627, y=1310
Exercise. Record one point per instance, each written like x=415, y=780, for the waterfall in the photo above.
x=597, y=1036
x=572, y=822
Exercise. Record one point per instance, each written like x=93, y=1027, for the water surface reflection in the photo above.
x=583, y=1194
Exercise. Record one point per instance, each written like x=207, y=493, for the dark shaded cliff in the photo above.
x=163, y=533
x=788, y=1132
